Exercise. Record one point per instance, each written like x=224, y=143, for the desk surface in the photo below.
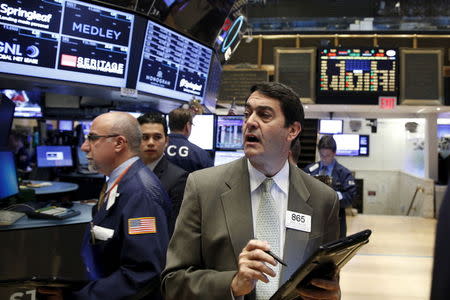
x=79, y=175
x=55, y=187
x=25, y=222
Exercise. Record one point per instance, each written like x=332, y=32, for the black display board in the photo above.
x=296, y=68
x=421, y=76
x=236, y=84
x=357, y=75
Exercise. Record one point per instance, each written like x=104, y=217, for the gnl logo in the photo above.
x=15, y=49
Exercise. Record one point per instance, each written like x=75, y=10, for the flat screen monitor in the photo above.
x=28, y=103
x=54, y=156
x=173, y=65
x=6, y=118
x=202, y=133
x=356, y=75
x=81, y=157
x=229, y=132
x=86, y=126
x=331, y=126
x=65, y=125
x=65, y=40
x=224, y=157
x=8, y=175
x=352, y=144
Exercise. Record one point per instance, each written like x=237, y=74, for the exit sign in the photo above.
x=387, y=102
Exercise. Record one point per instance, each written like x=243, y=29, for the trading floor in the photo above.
x=397, y=262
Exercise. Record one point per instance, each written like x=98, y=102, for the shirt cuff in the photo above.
x=339, y=195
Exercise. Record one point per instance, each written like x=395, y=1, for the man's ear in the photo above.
x=294, y=130
x=120, y=143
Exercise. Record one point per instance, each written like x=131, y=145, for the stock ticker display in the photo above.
x=351, y=71
x=65, y=39
x=173, y=65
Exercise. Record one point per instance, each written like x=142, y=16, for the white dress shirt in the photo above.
x=279, y=191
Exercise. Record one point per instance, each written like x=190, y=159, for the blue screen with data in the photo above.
x=8, y=175
x=54, y=156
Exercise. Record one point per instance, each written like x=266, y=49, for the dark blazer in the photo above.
x=126, y=263
x=173, y=179
x=187, y=155
x=215, y=224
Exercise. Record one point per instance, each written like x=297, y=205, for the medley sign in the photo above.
x=65, y=38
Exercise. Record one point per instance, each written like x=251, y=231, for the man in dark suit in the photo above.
x=124, y=252
x=233, y=213
x=154, y=141
x=342, y=180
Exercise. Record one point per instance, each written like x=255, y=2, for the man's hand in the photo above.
x=321, y=289
x=252, y=267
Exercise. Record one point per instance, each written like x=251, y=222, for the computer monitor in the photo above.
x=28, y=103
x=86, y=126
x=356, y=75
x=331, y=126
x=81, y=156
x=173, y=65
x=66, y=40
x=54, y=156
x=224, y=157
x=8, y=175
x=202, y=133
x=229, y=132
x=65, y=125
x=6, y=118
x=352, y=144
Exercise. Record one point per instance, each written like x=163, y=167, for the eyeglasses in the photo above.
x=93, y=137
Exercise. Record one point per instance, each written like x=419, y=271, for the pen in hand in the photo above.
x=278, y=259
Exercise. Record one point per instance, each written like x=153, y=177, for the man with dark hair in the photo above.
x=154, y=141
x=180, y=151
x=231, y=214
x=342, y=180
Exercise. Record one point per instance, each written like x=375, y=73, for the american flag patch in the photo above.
x=142, y=225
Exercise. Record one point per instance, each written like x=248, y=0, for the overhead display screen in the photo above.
x=65, y=40
x=173, y=65
x=366, y=72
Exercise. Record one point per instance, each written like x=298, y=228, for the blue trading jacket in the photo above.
x=343, y=181
x=126, y=263
x=187, y=155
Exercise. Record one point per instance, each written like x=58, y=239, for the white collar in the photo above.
x=153, y=164
x=281, y=179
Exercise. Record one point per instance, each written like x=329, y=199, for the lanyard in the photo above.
x=116, y=182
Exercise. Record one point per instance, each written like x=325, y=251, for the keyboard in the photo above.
x=8, y=217
x=53, y=212
x=87, y=172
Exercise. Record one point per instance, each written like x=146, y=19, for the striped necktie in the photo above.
x=101, y=198
x=267, y=228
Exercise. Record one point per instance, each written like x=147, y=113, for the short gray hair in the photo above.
x=127, y=125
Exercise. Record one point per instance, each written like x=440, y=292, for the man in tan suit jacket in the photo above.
x=213, y=253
